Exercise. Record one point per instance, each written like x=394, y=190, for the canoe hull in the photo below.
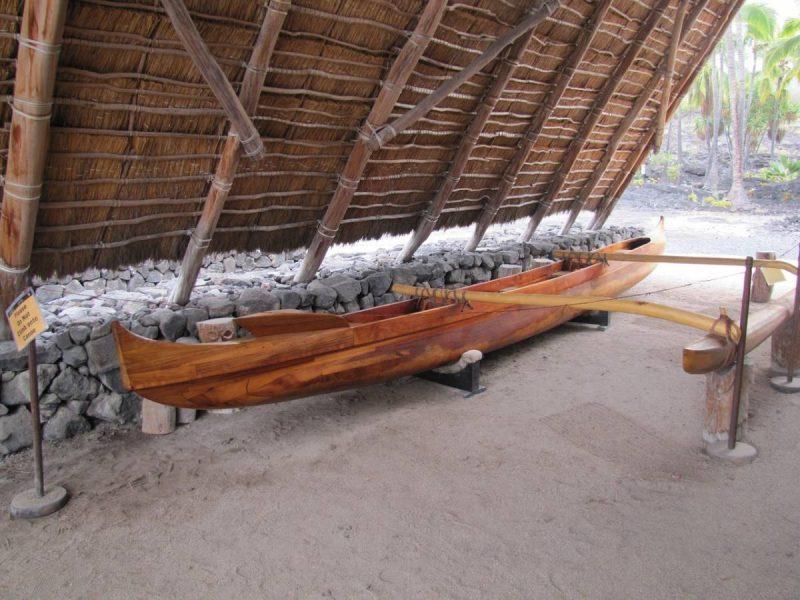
x=390, y=348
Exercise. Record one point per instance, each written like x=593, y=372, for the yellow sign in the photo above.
x=773, y=276
x=25, y=318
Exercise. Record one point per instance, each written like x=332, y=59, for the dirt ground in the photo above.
x=577, y=474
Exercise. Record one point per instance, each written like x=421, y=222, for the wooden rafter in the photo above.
x=430, y=217
x=597, y=111
x=387, y=97
x=41, y=28
x=215, y=77
x=388, y=132
x=666, y=94
x=679, y=34
x=625, y=174
x=252, y=84
x=540, y=117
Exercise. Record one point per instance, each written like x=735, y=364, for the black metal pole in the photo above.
x=791, y=361
x=741, y=349
x=33, y=391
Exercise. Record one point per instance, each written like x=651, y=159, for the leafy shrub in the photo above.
x=718, y=203
x=783, y=170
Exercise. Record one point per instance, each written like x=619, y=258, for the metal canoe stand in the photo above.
x=787, y=383
x=40, y=501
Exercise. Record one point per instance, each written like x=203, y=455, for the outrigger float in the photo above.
x=293, y=353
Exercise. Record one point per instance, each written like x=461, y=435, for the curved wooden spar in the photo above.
x=712, y=353
x=721, y=326
x=729, y=261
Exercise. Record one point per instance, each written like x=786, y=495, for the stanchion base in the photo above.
x=740, y=455
x=783, y=385
x=27, y=505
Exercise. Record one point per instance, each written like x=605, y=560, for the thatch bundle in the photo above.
x=136, y=133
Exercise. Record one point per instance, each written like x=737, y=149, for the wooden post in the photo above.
x=719, y=401
x=783, y=344
x=209, y=68
x=252, y=83
x=540, y=117
x=157, y=419
x=606, y=207
x=41, y=28
x=762, y=291
x=681, y=24
x=430, y=217
x=595, y=114
x=666, y=94
x=349, y=178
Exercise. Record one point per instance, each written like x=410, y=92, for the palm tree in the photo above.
x=737, y=195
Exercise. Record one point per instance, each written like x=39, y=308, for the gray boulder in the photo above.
x=347, y=288
x=379, y=283
x=15, y=431
x=171, y=324
x=114, y=408
x=404, y=275
x=75, y=356
x=79, y=333
x=147, y=331
x=102, y=354
x=71, y=385
x=48, y=293
x=217, y=306
x=193, y=317
x=256, y=300
x=15, y=392
x=65, y=424
x=289, y=299
x=323, y=296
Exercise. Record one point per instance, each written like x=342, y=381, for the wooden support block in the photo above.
x=217, y=330
x=782, y=347
x=506, y=270
x=719, y=399
x=186, y=416
x=157, y=419
x=762, y=291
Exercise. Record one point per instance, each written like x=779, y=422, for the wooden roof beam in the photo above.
x=430, y=217
x=388, y=132
x=215, y=77
x=679, y=34
x=39, y=45
x=595, y=114
x=351, y=175
x=252, y=84
x=625, y=174
x=666, y=94
x=540, y=117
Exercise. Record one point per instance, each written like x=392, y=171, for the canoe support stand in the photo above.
x=788, y=383
x=601, y=318
x=464, y=375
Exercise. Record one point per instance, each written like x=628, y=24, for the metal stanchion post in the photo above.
x=740, y=354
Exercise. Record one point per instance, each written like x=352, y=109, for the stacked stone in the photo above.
x=79, y=377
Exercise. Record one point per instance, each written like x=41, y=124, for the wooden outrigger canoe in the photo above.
x=325, y=353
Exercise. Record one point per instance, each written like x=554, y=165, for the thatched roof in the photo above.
x=136, y=132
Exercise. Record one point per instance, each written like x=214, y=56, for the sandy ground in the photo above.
x=577, y=474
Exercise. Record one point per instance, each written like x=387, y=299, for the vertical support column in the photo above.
x=351, y=175
x=249, y=96
x=40, y=34
x=719, y=402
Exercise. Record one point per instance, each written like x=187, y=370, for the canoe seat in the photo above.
x=278, y=322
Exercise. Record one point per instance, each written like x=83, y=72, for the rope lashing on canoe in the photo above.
x=721, y=326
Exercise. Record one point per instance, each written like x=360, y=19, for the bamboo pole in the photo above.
x=666, y=94
x=430, y=217
x=595, y=114
x=252, y=83
x=682, y=25
x=388, y=132
x=351, y=175
x=695, y=259
x=625, y=174
x=40, y=33
x=721, y=326
x=540, y=117
x=215, y=77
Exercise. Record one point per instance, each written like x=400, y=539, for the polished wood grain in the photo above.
x=279, y=322
x=381, y=343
